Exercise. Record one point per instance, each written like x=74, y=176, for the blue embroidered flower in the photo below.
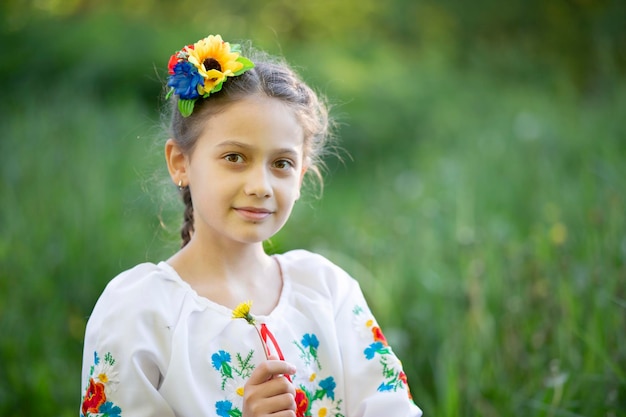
x=109, y=409
x=221, y=362
x=219, y=359
x=185, y=80
x=372, y=349
x=310, y=340
x=96, y=358
x=223, y=408
x=386, y=387
x=328, y=385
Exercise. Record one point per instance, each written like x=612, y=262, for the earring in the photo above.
x=180, y=185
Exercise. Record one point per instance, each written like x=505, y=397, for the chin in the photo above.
x=254, y=238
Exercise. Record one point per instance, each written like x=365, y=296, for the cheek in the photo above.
x=211, y=190
x=209, y=176
x=292, y=198
x=292, y=189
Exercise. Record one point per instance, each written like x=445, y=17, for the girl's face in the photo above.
x=245, y=171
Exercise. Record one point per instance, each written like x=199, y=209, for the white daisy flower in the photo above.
x=324, y=407
x=363, y=324
x=234, y=389
x=307, y=376
x=103, y=372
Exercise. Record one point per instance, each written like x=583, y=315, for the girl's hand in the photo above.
x=268, y=392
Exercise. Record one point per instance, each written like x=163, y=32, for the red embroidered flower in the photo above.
x=94, y=397
x=403, y=378
x=302, y=403
x=379, y=336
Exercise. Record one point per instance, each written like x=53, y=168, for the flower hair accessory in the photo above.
x=200, y=69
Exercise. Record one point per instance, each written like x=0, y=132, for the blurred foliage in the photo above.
x=480, y=202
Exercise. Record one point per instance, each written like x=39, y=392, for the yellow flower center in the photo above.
x=103, y=378
x=312, y=377
x=369, y=323
x=322, y=412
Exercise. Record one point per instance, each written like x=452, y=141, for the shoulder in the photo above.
x=142, y=275
x=134, y=321
x=145, y=280
x=142, y=292
x=305, y=261
x=315, y=271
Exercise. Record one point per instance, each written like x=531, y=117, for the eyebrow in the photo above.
x=233, y=143
x=236, y=144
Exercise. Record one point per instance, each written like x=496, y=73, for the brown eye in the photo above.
x=234, y=158
x=283, y=164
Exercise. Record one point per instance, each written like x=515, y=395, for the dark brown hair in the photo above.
x=271, y=77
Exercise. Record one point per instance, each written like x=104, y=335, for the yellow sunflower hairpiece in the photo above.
x=198, y=70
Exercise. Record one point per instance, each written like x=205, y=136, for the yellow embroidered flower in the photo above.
x=214, y=60
x=242, y=311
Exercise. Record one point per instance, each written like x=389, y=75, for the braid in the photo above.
x=187, y=229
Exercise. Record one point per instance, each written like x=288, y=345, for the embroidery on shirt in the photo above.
x=234, y=377
x=103, y=381
x=315, y=396
x=394, y=377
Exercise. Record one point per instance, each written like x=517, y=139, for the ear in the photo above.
x=176, y=162
x=302, y=172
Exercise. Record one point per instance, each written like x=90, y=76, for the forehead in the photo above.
x=257, y=121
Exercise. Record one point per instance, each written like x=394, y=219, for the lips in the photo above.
x=253, y=213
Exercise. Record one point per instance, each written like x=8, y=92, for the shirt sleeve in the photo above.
x=376, y=384
x=124, y=350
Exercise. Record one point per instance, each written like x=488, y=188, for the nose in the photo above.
x=258, y=183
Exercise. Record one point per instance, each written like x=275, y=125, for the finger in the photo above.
x=270, y=368
x=274, y=357
x=284, y=402
x=269, y=405
x=277, y=386
x=266, y=408
x=274, y=397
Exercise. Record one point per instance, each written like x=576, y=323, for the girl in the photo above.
x=180, y=338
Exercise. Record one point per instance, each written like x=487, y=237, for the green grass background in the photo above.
x=481, y=200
